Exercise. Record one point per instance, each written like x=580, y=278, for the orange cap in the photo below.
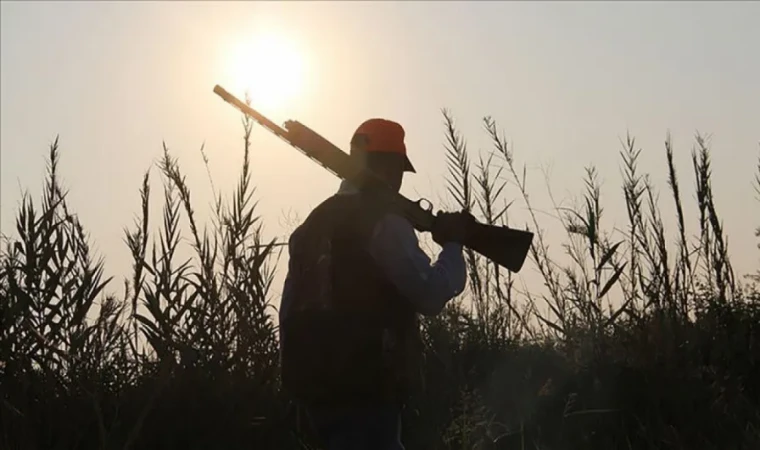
x=381, y=135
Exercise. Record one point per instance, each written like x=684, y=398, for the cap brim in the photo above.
x=408, y=167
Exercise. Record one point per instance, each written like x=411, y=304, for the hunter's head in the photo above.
x=379, y=143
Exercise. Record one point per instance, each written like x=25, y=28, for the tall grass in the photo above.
x=632, y=340
x=645, y=342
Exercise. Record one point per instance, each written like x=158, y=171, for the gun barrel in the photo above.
x=252, y=113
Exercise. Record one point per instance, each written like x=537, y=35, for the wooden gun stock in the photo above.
x=506, y=247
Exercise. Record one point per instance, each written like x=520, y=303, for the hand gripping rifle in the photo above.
x=505, y=246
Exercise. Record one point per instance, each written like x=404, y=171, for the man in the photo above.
x=357, y=280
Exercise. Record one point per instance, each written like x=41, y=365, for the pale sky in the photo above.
x=565, y=81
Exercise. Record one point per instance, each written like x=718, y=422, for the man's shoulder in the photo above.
x=380, y=220
x=323, y=209
x=317, y=214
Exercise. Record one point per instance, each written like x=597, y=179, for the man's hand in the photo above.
x=452, y=227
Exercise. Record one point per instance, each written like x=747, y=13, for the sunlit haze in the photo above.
x=269, y=67
x=564, y=81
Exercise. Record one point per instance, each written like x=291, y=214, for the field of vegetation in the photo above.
x=638, y=341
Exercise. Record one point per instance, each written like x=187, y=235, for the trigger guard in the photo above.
x=430, y=205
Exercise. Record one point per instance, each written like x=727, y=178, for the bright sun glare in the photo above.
x=270, y=68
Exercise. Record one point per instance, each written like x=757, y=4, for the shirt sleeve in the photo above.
x=427, y=286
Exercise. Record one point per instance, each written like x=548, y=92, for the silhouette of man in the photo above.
x=357, y=281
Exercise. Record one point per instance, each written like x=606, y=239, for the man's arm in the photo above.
x=427, y=286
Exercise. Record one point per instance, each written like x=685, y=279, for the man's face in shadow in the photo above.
x=389, y=167
x=386, y=165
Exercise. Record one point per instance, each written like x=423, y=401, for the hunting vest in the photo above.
x=349, y=337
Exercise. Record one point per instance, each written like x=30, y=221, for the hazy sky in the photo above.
x=565, y=81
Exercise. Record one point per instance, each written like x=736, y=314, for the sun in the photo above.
x=270, y=68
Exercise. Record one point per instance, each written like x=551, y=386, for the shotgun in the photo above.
x=505, y=246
